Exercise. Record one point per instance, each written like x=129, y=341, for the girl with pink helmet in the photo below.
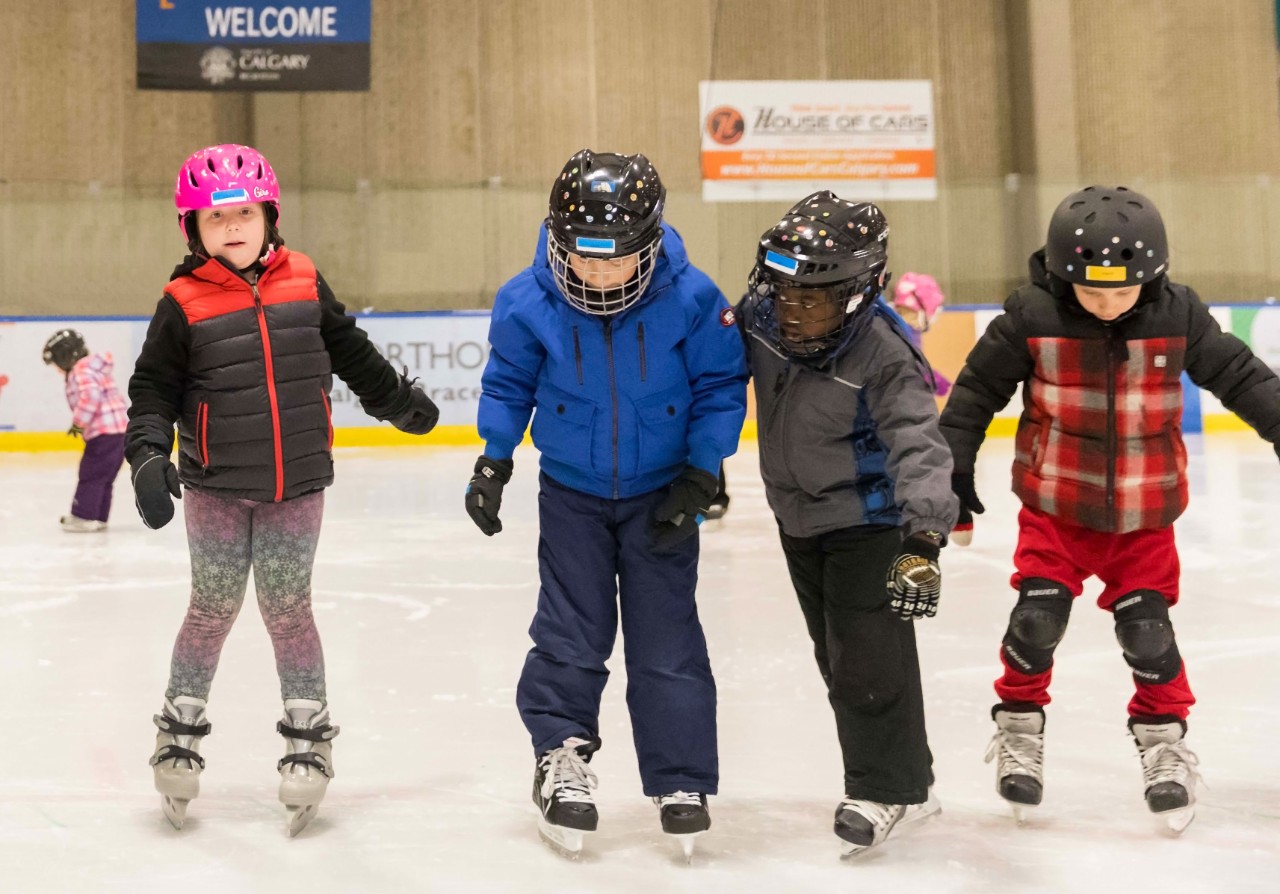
x=240, y=356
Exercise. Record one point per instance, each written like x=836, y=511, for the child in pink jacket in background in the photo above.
x=98, y=414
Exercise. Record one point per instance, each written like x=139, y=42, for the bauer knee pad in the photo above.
x=1146, y=636
x=1037, y=625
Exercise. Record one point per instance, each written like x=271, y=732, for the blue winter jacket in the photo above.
x=622, y=403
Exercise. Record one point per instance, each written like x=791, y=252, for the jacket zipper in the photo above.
x=328, y=414
x=613, y=394
x=202, y=433
x=271, y=393
x=577, y=353
x=644, y=369
x=1111, y=430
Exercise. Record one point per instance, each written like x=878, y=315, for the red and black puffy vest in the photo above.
x=255, y=420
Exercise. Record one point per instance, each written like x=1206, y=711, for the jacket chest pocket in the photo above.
x=663, y=429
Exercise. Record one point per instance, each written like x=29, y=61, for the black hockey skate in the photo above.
x=1018, y=749
x=1168, y=771
x=562, y=785
x=684, y=815
x=863, y=824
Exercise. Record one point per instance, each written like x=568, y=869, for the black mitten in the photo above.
x=420, y=417
x=914, y=580
x=484, y=493
x=684, y=507
x=154, y=481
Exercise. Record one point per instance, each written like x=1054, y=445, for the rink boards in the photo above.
x=447, y=350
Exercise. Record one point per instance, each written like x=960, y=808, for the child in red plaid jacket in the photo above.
x=99, y=415
x=1099, y=339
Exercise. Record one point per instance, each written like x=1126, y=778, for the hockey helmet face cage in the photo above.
x=1106, y=238
x=228, y=174
x=604, y=208
x=64, y=348
x=817, y=270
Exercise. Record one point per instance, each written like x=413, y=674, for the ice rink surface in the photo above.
x=424, y=626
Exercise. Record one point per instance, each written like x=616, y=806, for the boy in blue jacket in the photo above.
x=629, y=360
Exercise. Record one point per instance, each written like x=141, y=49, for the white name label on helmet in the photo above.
x=601, y=186
x=227, y=196
x=781, y=262
x=594, y=246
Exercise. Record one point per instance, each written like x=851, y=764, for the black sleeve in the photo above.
x=356, y=361
x=1223, y=364
x=994, y=369
x=158, y=381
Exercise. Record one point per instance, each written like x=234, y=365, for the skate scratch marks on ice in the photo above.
x=36, y=605
x=418, y=608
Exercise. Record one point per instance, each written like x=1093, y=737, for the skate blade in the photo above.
x=564, y=841
x=175, y=810
x=686, y=840
x=300, y=815
x=1175, y=822
x=1021, y=812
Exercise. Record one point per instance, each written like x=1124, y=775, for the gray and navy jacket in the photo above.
x=245, y=369
x=854, y=441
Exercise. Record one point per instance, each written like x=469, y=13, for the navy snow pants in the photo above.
x=594, y=556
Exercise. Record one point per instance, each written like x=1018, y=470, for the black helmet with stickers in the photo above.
x=820, y=268
x=607, y=207
x=1107, y=238
x=64, y=348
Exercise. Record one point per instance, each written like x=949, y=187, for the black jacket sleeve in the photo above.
x=1223, y=364
x=994, y=369
x=384, y=393
x=158, y=381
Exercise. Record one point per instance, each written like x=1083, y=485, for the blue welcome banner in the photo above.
x=253, y=45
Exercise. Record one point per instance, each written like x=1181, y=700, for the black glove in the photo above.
x=484, y=493
x=683, y=508
x=420, y=417
x=963, y=487
x=1277, y=446
x=914, y=580
x=154, y=479
x=75, y=431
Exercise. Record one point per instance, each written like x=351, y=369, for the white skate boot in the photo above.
x=862, y=825
x=562, y=785
x=1168, y=772
x=1018, y=750
x=684, y=816
x=307, y=765
x=177, y=762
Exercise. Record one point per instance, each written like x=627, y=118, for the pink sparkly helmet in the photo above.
x=224, y=175
x=919, y=292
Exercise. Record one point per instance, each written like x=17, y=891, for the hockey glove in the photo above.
x=963, y=487
x=154, y=481
x=484, y=493
x=683, y=508
x=914, y=580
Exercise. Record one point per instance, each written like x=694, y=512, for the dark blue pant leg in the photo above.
x=577, y=619
x=670, y=690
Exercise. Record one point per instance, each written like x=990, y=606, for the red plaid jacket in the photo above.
x=1099, y=443
x=96, y=405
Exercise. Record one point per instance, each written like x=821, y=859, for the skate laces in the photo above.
x=1018, y=753
x=882, y=816
x=568, y=775
x=1169, y=762
x=690, y=799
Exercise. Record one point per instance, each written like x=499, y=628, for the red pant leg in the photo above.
x=1045, y=550
x=1146, y=560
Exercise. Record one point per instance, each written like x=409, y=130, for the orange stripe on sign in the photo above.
x=818, y=164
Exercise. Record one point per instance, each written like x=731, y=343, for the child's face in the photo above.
x=604, y=273
x=805, y=314
x=1107, y=304
x=236, y=232
x=913, y=317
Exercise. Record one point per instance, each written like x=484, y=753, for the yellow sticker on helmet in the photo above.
x=1105, y=274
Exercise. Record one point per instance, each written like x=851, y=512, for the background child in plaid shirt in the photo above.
x=1099, y=340
x=98, y=414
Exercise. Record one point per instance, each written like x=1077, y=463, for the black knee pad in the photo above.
x=1146, y=636
x=1037, y=624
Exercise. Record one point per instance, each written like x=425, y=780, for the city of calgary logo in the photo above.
x=725, y=125
x=218, y=64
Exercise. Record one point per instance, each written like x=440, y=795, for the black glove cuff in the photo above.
x=922, y=545
x=708, y=485
x=498, y=469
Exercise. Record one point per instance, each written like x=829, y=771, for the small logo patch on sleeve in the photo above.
x=727, y=317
